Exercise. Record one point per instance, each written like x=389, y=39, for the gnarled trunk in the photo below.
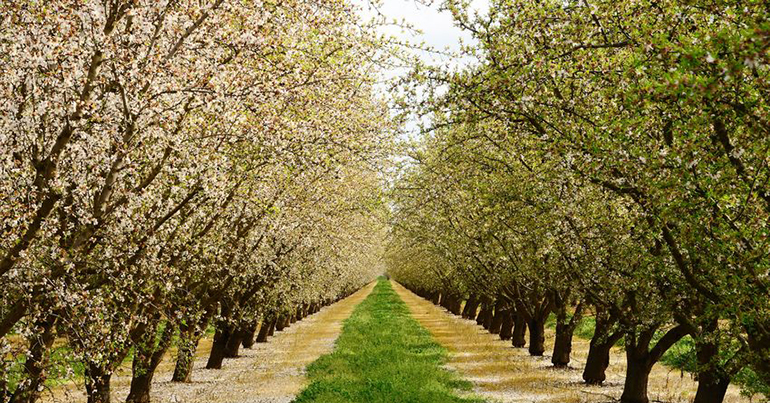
x=28, y=391
x=97, y=383
x=147, y=356
x=506, y=330
x=564, y=330
x=518, y=338
x=219, y=346
x=248, y=331
x=536, y=336
x=264, y=330
x=602, y=341
x=713, y=380
x=497, y=318
x=637, y=377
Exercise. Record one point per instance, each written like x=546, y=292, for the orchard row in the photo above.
x=601, y=158
x=168, y=166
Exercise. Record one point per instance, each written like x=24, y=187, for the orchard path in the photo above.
x=502, y=373
x=272, y=372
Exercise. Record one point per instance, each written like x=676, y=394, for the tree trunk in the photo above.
x=482, y=314
x=185, y=357
x=264, y=330
x=280, y=323
x=536, y=337
x=564, y=331
x=219, y=346
x=562, y=347
x=233, y=344
x=271, y=330
x=712, y=379
x=506, y=330
x=467, y=314
x=28, y=391
x=497, y=318
x=519, y=331
x=637, y=378
x=599, y=351
x=248, y=331
x=97, y=383
x=147, y=356
x=597, y=362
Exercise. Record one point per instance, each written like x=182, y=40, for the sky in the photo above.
x=438, y=31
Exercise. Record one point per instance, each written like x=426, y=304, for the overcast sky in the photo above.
x=438, y=29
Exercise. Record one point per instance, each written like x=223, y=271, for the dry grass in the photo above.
x=505, y=374
x=269, y=372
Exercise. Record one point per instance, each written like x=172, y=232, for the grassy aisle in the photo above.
x=383, y=356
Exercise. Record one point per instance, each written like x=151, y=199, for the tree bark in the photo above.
x=147, y=357
x=280, y=323
x=506, y=330
x=599, y=351
x=536, y=336
x=469, y=308
x=519, y=331
x=564, y=331
x=264, y=330
x=248, y=331
x=219, y=346
x=712, y=379
x=497, y=318
x=233, y=344
x=271, y=330
x=637, y=377
x=189, y=336
x=28, y=391
x=97, y=383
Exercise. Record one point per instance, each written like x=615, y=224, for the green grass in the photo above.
x=382, y=356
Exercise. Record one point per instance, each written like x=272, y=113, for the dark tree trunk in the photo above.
x=482, y=314
x=519, y=331
x=292, y=318
x=248, y=331
x=28, y=391
x=637, y=378
x=97, y=383
x=562, y=347
x=536, y=336
x=147, y=357
x=280, y=323
x=271, y=330
x=456, y=306
x=712, y=379
x=233, y=344
x=506, y=330
x=189, y=336
x=264, y=330
x=597, y=362
x=640, y=360
x=564, y=330
x=601, y=344
x=469, y=305
x=497, y=318
x=219, y=346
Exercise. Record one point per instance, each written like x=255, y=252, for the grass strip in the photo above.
x=383, y=356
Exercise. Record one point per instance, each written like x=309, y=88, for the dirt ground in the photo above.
x=270, y=372
x=502, y=373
